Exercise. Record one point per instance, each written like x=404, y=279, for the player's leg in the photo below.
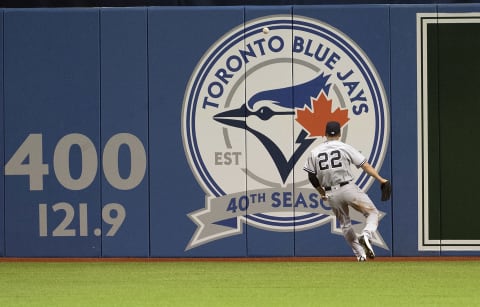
x=362, y=203
x=371, y=217
x=343, y=218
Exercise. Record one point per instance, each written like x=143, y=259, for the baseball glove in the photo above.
x=386, y=188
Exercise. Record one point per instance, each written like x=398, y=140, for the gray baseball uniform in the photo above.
x=331, y=162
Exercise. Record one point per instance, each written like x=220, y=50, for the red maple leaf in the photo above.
x=315, y=120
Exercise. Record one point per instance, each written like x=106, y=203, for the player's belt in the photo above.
x=334, y=187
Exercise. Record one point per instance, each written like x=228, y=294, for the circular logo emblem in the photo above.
x=255, y=106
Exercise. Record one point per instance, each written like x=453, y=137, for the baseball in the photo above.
x=266, y=30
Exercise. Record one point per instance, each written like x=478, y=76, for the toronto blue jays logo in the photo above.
x=256, y=104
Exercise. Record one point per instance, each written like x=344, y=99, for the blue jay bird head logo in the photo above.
x=255, y=106
x=267, y=104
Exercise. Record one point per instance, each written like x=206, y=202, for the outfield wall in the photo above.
x=183, y=131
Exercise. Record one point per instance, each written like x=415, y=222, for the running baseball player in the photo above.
x=328, y=168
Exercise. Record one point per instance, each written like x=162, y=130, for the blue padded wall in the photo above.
x=174, y=192
x=2, y=138
x=124, y=132
x=183, y=131
x=52, y=98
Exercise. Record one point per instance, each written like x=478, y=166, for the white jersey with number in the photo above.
x=331, y=162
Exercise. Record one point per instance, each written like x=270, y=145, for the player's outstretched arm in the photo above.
x=385, y=186
x=372, y=172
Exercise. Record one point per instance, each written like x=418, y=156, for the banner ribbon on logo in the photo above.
x=224, y=216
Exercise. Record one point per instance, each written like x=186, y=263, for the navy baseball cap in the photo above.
x=333, y=128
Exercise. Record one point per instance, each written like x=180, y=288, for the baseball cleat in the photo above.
x=361, y=259
x=367, y=246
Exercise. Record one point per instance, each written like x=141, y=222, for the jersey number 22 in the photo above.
x=327, y=160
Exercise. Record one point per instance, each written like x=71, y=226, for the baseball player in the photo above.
x=328, y=168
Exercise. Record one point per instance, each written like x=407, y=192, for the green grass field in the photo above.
x=235, y=283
